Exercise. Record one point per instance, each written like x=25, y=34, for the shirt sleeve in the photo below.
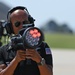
x=47, y=54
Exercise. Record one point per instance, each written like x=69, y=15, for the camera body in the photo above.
x=29, y=37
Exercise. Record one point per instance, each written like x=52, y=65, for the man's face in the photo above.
x=19, y=17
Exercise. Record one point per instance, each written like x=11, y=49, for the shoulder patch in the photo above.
x=48, y=51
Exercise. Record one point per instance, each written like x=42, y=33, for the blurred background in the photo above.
x=56, y=18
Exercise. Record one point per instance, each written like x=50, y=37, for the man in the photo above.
x=15, y=62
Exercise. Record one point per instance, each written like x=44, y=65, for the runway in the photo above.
x=63, y=61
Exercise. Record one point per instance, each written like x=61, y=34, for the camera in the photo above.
x=29, y=37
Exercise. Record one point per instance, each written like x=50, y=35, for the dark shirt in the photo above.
x=25, y=67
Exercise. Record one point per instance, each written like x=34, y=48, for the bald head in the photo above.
x=19, y=12
x=18, y=16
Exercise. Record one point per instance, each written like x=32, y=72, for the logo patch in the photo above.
x=48, y=51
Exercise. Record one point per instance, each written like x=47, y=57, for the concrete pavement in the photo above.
x=63, y=61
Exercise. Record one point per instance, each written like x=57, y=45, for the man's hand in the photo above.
x=21, y=55
x=2, y=66
x=33, y=54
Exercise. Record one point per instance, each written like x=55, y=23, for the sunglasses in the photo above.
x=18, y=23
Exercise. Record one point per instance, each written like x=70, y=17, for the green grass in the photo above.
x=60, y=40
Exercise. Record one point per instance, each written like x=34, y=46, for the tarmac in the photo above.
x=63, y=61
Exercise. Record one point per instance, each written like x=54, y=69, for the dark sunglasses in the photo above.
x=18, y=23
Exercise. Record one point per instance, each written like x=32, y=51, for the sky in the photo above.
x=61, y=11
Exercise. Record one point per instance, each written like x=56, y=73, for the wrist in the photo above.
x=42, y=62
x=16, y=60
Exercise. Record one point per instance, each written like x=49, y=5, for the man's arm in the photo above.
x=45, y=69
x=9, y=70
